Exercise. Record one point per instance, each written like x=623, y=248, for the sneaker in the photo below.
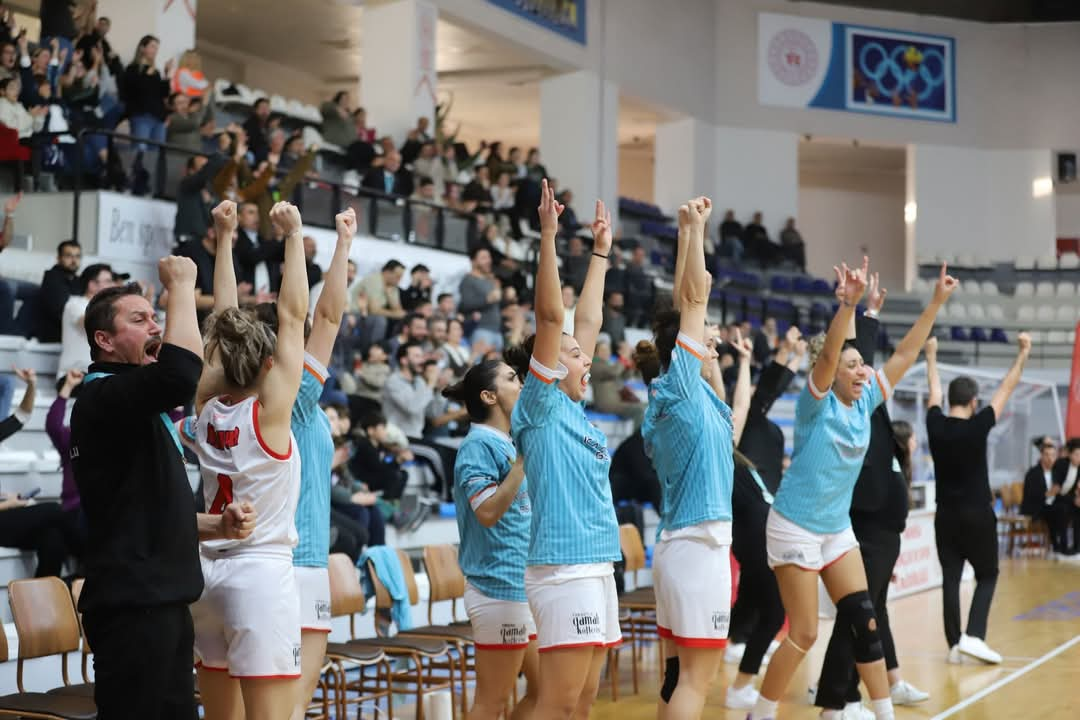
x=856, y=711
x=904, y=693
x=954, y=657
x=978, y=649
x=733, y=653
x=742, y=698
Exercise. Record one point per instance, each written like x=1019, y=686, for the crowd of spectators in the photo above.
x=751, y=243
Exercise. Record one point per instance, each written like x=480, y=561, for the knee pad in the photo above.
x=671, y=679
x=856, y=611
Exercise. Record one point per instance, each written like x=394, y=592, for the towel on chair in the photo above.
x=388, y=569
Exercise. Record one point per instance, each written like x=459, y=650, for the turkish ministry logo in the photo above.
x=793, y=57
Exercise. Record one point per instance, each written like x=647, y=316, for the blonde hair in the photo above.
x=242, y=342
x=190, y=60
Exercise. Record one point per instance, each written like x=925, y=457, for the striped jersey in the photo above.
x=237, y=466
x=566, y=461
x=314, y=441
x=688, y=434
x=493, y=559
x=830, y=442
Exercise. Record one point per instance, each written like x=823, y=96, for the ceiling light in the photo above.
x=1042, y=187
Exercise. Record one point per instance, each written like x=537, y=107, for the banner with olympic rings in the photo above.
x=815, y=63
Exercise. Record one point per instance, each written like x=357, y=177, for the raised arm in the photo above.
x=867, y=326
x=177, y=275
x=694, y=290
x=589, y=313
x=907, y=352
x=933, y=379
x=1009, y=382
x=680, y=253
x=740, y=402
x=491, y=510
x=8, y=232
x=331, y=305
x=29, y=377
x=824, y=370
x=280, y=385
x=549, y=306
x=225, y=294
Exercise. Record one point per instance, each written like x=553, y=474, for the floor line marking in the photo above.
x=1006, y=680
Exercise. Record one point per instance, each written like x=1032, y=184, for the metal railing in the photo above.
x=385, y=216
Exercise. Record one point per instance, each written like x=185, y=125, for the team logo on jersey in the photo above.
x=513, y=634
x=322, y=610
x=794, y=555
x=598, y=448
x=296, y=655
x=720, y=620
x=585, y=623
x=222, y=439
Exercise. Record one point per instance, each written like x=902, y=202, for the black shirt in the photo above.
x=632, y=475
x=958, y=447
x=57, y=285
x=142, y=547
x=414, y=296
x=762, y=439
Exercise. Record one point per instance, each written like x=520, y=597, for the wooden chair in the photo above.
x=445, y=579
x=458, y=637
x=347, y=599
x=639, y=604
x=43, y=705
x=47, y=624
x=76, y=592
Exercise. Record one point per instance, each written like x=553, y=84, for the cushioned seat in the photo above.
x=67, y=707
x=358, y=650
x=459, y=632
x=85, y=690
x=425, y=646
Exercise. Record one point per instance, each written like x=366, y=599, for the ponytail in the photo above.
x=467, y=392
x=647, y=360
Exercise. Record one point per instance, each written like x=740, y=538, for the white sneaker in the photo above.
x=742, y=698
x=856, y=711
x=978, y=649
x=954, y=657
x=904, y=693
x=733, y=653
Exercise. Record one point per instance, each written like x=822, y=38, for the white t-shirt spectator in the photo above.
x=74, y=350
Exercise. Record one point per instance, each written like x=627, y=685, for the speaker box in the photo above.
x=1066, y=167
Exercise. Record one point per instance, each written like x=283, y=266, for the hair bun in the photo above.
x=647, y=360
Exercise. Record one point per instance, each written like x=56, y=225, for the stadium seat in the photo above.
x=1026, y=313
x=971, y=287
x=1024, y=262
x=978, y=334
x=1048, y=262
x=976, y=311
x=958, y=311
x=1066, y=313
x=998, y=335
x=1045, y=313
x=1069, y=261
x=989, y=287
x=994, y=312
x=1057, y=337
x=1025, y=289
x=780, y=284
x=1037, y=336
x=1044, y=289
x=965, y=262
x=1066, y=288
x=959, y=334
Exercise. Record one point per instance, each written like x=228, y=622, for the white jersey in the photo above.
x=237, y=466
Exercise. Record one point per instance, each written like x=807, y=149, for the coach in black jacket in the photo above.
x=1065, y=477
x=879, y=508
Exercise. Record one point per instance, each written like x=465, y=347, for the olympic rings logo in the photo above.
x=904, y=71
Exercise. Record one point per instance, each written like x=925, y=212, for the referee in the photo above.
x=965, y=526
x=142, y=558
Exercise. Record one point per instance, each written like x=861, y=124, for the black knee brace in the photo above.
x=671, y=678
x=856, y=611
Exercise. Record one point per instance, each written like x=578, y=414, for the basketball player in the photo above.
x=570, y=579
x=493, y=517
x=965, y=526
x=809, y=529
x=247, y=622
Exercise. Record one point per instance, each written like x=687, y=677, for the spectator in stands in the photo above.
x=12, y=290
x=446, y=307
x=15, y=422
x=60, y=434
x=372, y=377
x=455, y=352
x=756, y=243
x=363, y=132
x=391, y=178
x=480, y=296
x=430, y=165
x=58, y=284
x=569, y=301
x=608, y=379
x=353, y=507
x=518, y=169
x=258, y=259
x=189, y=79
x=436, y=336
x=145, y=92
x=14, y=115
x=1066, y=473
x=576, y=263
x=9, y=56
x=791, y=245
x=194, y=199
x=58, y=21
x=413, y=331
x=408, y=391
x=614, y=320
x=74, y=352
x=182, y=127
x=375, y=461
x=535, y=169
x=502, y=195
x=640, y=291
x=383, y=297
x=766, y=341
x=34, y=65
x=425, y=191
x=314, y=272
x=419, y=290
x=338, y=127
x=731, y=238
x=1041, y=494
x=568, y=222
x=257, y=126
x=477, y=193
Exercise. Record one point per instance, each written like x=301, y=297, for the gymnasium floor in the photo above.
x=1034, y=624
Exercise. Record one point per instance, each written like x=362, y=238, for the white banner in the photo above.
x=793, y=55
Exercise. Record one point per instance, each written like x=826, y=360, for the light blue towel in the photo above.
x=388, y=570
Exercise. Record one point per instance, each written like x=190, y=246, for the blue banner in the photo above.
x=815, y=63
x=565, y=17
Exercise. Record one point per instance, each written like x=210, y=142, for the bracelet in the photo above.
x=596, y=254
x=872, y=314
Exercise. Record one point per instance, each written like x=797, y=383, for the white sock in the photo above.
x=883, y=709
x=764, y=709
x=829, y=713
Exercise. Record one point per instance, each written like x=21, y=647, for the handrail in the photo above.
x=338, y=191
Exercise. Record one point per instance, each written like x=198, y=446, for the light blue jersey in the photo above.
x=493, y=559
x=687, y=433
x=566, y=461
x=315, y=443
x=830, y=442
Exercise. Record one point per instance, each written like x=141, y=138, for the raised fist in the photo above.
x=176, y=272
x=287, y=217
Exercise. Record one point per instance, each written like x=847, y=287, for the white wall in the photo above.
x=258, y=73
x=757, y=170
x=637, y=163
x=980, y=201
x=1067, y=214
x=840, y=214
x=685, y=162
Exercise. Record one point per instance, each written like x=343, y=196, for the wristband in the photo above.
x=596, y=254
x=872, y=314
